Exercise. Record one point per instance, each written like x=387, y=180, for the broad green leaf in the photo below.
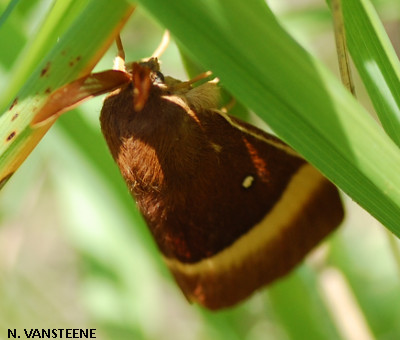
x=376, y=61
x=259, y=63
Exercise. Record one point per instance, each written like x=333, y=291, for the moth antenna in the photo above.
x=163, y=45
x=214, y=81
x=119, y=60
x=186, y=84
x=199, y=77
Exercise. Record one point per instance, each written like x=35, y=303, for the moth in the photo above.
x=231, y=207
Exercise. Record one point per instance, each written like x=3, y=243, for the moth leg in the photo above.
x=229, y=105
x=202, y=76
x=184, y=86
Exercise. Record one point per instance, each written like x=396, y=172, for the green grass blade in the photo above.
x=376, y=62
x=10, y=7
x=297, y=302
x=57, y=20
x=268, y=71
x=85, y=39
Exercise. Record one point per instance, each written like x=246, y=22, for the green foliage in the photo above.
x=293, y=92
x=75, y=253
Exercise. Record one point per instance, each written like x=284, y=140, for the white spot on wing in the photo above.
x=247, y=182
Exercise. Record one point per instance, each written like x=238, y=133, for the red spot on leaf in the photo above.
x=45, y=70
x=14, y=103
x=74, y=61
x=11, y=136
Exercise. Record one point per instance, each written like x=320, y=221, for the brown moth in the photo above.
x=231, y=207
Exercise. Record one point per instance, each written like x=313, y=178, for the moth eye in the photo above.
x=159, y=77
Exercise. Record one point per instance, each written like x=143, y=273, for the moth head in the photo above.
x=152, y=65
x=147, y=73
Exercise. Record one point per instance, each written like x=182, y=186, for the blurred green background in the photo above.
x=74, y=252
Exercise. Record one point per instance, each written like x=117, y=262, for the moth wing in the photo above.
x=76, y=92
x=307, y=209
x=231, y=207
